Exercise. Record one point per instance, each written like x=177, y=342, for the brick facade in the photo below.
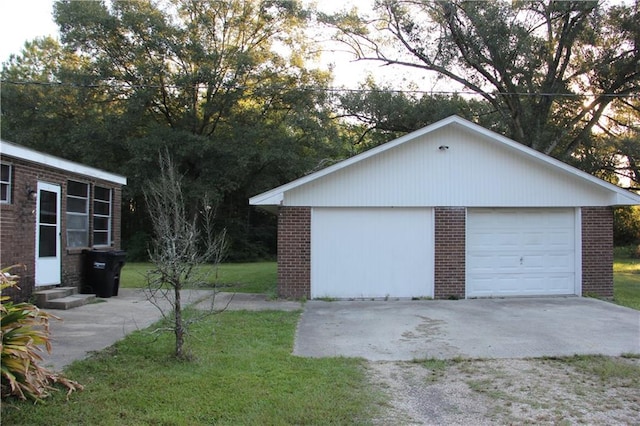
x=18, y=222
x=294, y=252
x=597, y=251
x=450, y=252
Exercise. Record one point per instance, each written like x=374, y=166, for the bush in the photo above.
x=24, y=328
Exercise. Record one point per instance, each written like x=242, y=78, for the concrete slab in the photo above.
x=96, y=326
x=481, y=328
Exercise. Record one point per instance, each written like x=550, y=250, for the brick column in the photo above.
x=450, y=252
x=597, y=251
x=294, y=252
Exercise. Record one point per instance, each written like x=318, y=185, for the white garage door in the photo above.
x=371, y=252
x=517, y=252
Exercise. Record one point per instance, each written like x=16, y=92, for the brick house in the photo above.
x=51, y=210
x=452, y=210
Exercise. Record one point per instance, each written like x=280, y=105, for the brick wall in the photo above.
x=597, y=251
x=449, y=273
x=294, y=252
x=18, y=223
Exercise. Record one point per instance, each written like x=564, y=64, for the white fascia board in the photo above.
x=27, y=154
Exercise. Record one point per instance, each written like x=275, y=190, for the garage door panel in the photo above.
x=373, y=252
x=520, y=252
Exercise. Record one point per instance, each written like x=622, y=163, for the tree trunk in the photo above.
x=178, y=329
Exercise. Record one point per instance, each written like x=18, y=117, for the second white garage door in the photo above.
x=519, y=252
x=371, y=252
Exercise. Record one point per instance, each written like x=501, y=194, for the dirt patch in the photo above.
x=584, y=391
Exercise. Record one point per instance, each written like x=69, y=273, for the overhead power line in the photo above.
x=318, y=89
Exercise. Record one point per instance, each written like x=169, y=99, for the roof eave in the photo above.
x=27, y=154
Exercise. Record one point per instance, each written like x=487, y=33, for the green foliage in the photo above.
x=220, y=85
x=243, y=373
x=548, y=70
x=626, y=226
x=384, y=114
x=25, y=328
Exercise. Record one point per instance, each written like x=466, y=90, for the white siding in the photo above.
x=371, y=252
x=475, y=171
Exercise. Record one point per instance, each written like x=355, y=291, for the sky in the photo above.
x=24, y=20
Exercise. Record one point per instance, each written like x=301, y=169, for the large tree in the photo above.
x=223, y=85
x=550, y=69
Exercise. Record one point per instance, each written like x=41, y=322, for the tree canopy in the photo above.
x=220, y=84
x=551, y=70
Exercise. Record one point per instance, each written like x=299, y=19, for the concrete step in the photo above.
x=69, y=302
x=43, y=296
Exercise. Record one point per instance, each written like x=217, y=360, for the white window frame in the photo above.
x=7, y=183
x=109, y=203
x=84, y=214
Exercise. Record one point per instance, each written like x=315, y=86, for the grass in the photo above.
x=258, y=277
x=626, y=279
x=606, y=369
x=243, y=373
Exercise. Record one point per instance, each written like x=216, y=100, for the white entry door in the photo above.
x=48, y=258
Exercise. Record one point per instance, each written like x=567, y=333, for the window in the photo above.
x=77, y=214
x=101, y=216
x=5, y=184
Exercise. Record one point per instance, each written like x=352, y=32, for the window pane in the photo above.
x=100, y=223
x=102, y=194
x=77, y=205
x=77, y=239
x=4, y=192
x=5, y=175
x=101, y=208
x=47, y=241
x=77, y=222
x=77, y=188
x=48, y=206
x=100, y=238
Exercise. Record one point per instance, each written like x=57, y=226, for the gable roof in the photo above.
x=618, y=196
x=27, y=154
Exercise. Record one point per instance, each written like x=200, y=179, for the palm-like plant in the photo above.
x=24, y=330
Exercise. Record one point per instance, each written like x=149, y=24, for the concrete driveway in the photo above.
x=482, y=328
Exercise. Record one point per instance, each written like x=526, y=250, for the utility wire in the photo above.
x=319, y=89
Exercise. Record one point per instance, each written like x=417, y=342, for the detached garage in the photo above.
x=451, y=210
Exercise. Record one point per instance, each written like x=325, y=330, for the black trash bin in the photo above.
x=102, y=272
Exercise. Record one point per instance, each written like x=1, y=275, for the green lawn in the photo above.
x=243, y=374
x=626, y=280
x=258, y=277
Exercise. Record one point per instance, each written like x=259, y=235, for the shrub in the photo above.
x=24, y=328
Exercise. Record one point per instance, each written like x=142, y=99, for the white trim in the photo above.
x=466, y=247
x=17, y=151
x=9, y=183
x=48, y=270
x=578, y=251
x=276, y=196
